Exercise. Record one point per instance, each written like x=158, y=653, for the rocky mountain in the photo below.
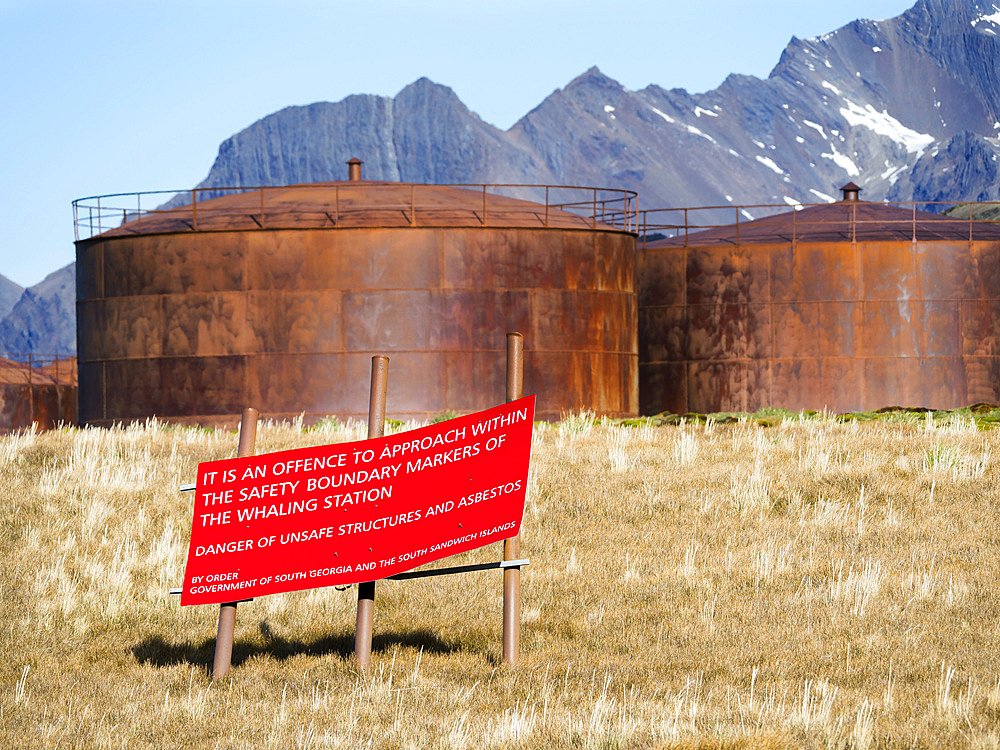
x=10, y=293
x=908, y=107
x=965, y=165
x=43, y=320
x=905, y=107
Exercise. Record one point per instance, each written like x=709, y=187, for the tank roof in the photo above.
x=849, y=220
x=364, y=203
x=20, y=373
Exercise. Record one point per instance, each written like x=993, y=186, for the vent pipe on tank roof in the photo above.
x=354, y=169
x=850, y=191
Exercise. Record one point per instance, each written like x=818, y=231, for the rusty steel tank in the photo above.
x=278, y=297
x=39, y=392
x=848, y=306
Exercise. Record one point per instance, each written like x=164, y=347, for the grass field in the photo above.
x=794, y=581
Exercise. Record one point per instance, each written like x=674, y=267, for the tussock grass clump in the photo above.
x=774, y=581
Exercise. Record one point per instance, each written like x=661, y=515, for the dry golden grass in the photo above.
x=810, y=584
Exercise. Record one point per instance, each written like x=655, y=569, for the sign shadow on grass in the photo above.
x=160, y=653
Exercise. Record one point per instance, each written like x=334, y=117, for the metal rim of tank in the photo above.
x=357, y=204
x=857, y=221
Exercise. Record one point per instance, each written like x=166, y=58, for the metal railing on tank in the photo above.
x=29, y=368
x=355, y=205
x=851, y=221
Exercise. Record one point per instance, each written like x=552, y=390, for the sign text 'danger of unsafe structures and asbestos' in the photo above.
x=351, y=512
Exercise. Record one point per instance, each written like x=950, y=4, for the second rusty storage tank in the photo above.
x=278, y=297
x=848, y=306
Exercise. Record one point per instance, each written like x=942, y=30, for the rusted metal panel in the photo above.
x=842, y=386
x=793, y=378
x=952, y=271
x=291, y=384
x=663, y=387
x=669, y=339
x=465, y=319
x=295, y=322
x=735, y=385
x=45, y=406
x=982, y=377
x=980, y=327
x=726, y=275
x=90, y=273
x=821, y=271
x=465, y=372
x=728, y=331
x=661, y=276
x=90, y=397
x=840, y=324
x=15, y=406
x=939, y=328
x=794, y=329
x=39, y=391
x=210, y=266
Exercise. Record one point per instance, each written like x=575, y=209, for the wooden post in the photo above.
x=512, y=546
x=366, y=590
x=227, y=611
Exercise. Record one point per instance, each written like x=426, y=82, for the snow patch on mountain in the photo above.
x=664, y=115
x=993, y=18
x=822, y=196
x=694, y=131
x=843, y=161
x=885, y=124
x=769, y=163
x=815, y=126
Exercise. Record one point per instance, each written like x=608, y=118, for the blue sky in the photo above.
x=106, y=96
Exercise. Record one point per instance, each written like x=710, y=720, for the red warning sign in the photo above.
x=350, y=512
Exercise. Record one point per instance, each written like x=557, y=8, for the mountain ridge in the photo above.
x=43, y=320
x=907, y=107
x=864, y=102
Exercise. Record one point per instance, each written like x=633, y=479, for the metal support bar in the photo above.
x=502, y=565
x=366, y=590
x=227, y=612
x=177, y=591
x=512, y=546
